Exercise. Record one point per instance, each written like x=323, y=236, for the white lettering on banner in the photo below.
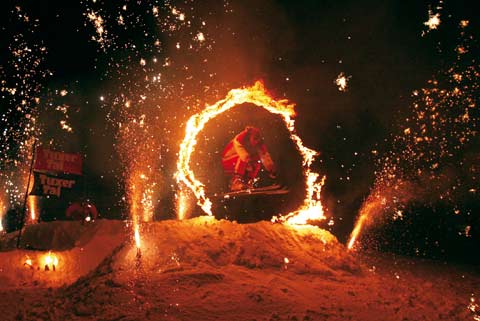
x=62, y=157
x=53, y=186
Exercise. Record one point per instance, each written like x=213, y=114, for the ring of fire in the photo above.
x=311, y=209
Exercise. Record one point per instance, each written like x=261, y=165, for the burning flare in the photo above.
x=137, y=237
x=3, y=210
x=311, y=209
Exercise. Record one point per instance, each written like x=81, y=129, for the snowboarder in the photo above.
x=243, y=157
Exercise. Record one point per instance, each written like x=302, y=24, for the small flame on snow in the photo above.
x=28, y=262
x=50, y=261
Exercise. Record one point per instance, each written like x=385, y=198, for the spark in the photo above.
x=342, y=81
x=433, y=20
x=474, y=308
x=182, y=204
x=98, y=23
x=464, y=23
x=65, y=126
x=200, y=37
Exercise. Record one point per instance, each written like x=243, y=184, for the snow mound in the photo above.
x=168, y=246
x=78, y=247
x=205, y=241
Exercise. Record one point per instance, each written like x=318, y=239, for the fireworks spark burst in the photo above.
x=257, y=95
x=433, y=20
x=21, y=78
x=432, y=140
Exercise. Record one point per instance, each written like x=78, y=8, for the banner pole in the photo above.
x=24, y=211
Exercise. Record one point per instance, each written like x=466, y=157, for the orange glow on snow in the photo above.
x=257, y=95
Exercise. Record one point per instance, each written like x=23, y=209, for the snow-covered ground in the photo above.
x=205, y=269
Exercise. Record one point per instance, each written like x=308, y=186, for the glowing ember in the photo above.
x=311, y=209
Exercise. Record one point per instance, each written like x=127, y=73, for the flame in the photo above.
x=28, y=262
x=356, y=231
x=32, y=207
x=50, y=260
x=137, y=236
x=311, y=209
x=3, y=210
x=370, y=209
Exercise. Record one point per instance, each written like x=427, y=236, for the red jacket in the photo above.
x=240, y=148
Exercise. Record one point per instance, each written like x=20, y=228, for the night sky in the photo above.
x=162, y=61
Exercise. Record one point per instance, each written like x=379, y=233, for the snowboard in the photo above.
x=266, y=190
